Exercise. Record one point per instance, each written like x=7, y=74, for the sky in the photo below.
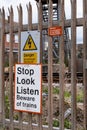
x=15, y=3
x=79, y=14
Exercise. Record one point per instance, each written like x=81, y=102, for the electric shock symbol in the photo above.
x=29, y=44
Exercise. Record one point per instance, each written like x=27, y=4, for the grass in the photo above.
x=80, y=96
x=67, y=123
x=55, y=123
x=67, y=94
x=55, y=90
x=6, y=106
x=45, y=90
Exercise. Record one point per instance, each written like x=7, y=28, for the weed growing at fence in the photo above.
x=43, y=103
x=45, y=90
x=56, y=90
x=80, y=97
x=55, y=123
x=16, y=117
x=67, y=124
x=67, y=94
x=6, y=106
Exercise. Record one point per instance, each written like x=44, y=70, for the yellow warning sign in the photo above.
x=29, y=44
x=30, y=58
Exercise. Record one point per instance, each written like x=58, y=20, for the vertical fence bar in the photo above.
x=85, y=61
x=20, y=28
x=73, y=64
x=50, y=61
x=29, y=9
x=11, y=67
x=2, y=41
x=61, y=75
x=40, y=29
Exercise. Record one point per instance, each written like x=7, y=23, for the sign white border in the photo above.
x=28, y=88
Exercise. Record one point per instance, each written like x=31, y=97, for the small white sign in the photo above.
x=28, y=88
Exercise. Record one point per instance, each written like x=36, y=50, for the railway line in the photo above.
x=67, y=77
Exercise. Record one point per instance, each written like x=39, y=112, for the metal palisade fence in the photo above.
x=13, y=120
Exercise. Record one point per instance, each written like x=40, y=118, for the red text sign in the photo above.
x=55, y=31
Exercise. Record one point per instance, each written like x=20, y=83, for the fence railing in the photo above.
x=12, y=120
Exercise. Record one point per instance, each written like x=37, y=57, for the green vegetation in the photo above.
x=45, y=90
x=80, y=96
x=45, y=123
x=16, y=117
x=55, y=90
x=67, y=124
x=6, y=63
x=55, y=123
x=67, y=94
x=6, y=107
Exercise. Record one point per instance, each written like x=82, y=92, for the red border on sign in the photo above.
x=40, y=91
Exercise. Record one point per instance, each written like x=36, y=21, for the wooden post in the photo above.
x=50, y=62
x=29, y=9
x=85, y=61
x=73, y=64
x=2, y=41
x=61, y=69
x=40, y=29
x=20, y=27
x=11, y=67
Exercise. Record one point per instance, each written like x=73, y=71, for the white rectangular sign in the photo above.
x=28, y=88
x=30, y=47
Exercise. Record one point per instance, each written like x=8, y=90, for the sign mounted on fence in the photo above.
x=30, y=47
x=55, y=31
x=29, y=44
x=28, y=88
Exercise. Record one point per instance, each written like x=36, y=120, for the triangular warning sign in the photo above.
x=29, y=44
